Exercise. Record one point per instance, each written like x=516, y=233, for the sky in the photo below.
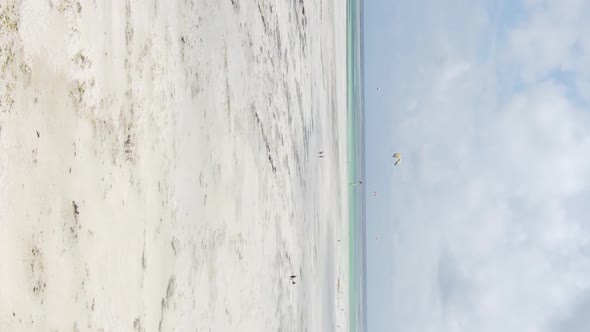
x=485, y=226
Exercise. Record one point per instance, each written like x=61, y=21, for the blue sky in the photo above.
x=485, y=226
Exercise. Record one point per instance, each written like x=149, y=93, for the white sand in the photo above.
x=159, y=169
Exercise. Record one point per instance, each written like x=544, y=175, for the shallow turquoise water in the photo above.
x=356, y=170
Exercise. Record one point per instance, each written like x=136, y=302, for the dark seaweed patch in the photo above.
x=236, y=5
x=265, y=138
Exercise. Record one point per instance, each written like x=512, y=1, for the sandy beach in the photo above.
x=160, y=169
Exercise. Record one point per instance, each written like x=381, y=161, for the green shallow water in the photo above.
x=356, y=166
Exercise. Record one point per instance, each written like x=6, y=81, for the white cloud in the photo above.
x=489, y=228
x=554, y=36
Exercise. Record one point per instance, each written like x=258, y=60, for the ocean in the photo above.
x=356, y=172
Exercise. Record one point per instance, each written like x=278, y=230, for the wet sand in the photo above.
x=159, y=166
